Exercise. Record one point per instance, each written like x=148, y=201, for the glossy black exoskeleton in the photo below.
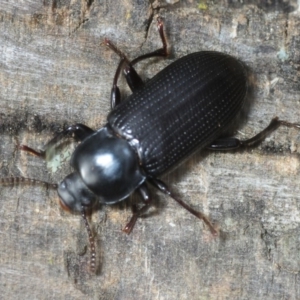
x=185, y=107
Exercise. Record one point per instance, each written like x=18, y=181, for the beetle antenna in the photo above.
x=91, y=240
x=24, y=180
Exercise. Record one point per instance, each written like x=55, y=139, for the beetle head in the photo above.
x=74, y=194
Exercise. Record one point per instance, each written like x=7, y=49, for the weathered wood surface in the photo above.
x=54, y=71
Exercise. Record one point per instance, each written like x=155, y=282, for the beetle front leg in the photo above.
x=234, y=143
x=145, y=195
x=78, y=131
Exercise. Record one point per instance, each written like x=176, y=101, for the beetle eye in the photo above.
x=74, y=194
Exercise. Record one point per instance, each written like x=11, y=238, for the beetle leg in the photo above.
x=39, y=153
x=134, y=81
x=145, y=194
x=274, y=124
x=161, y=52
x=77, y=131
x=164, y=188
x=234, y=143
x=115, y=96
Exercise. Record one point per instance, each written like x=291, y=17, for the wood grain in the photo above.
x=55, y=70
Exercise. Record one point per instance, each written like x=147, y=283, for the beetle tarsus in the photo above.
x=274, y=124
x=136, y=214
x=40, y=154
x=288, y=124
x=161, y=52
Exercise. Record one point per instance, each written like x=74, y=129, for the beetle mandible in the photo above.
x=185, y=107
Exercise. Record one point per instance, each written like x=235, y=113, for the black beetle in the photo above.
x=185, y=107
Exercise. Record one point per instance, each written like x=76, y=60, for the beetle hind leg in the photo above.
x=234, y=143
x=164, y=188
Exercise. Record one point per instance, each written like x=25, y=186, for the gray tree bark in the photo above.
x=55, y=70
